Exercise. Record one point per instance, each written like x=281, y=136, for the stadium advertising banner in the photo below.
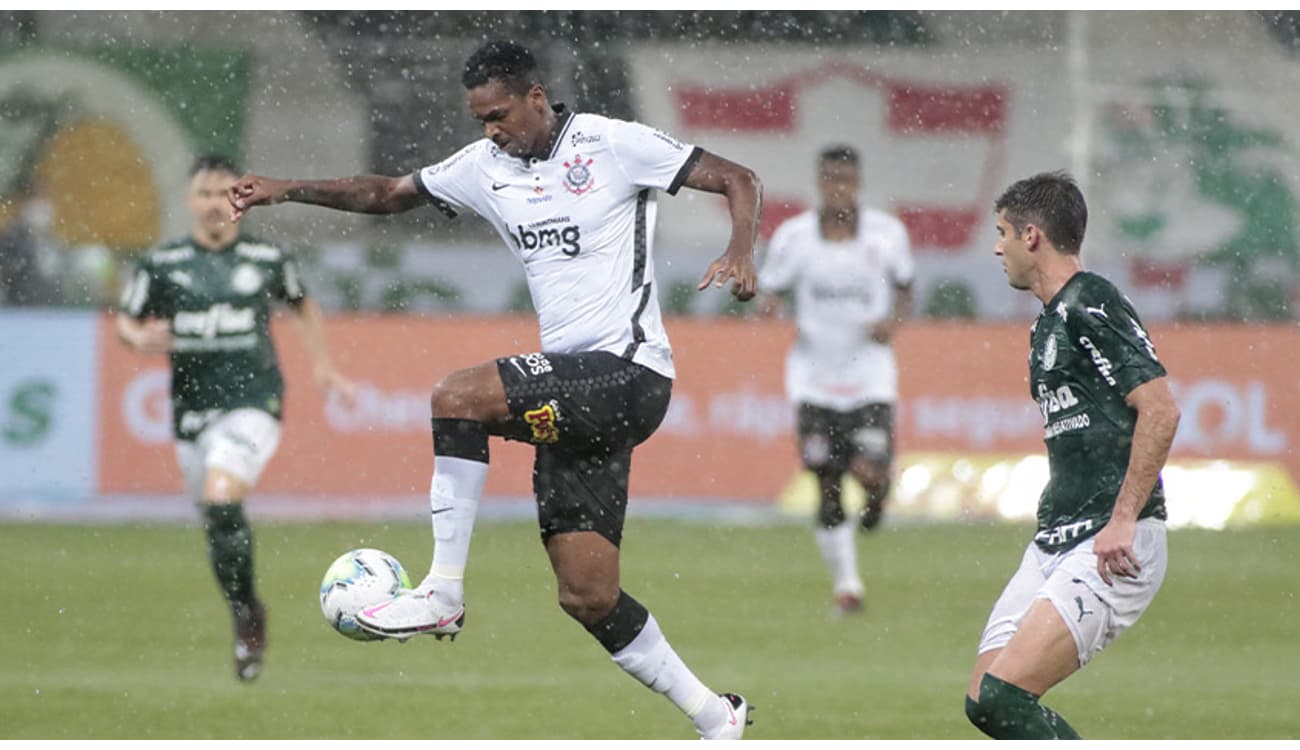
x=47, y=407
x=729, y=431
x=1188, y=159
x=85, y=127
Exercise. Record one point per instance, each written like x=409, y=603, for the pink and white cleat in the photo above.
x=417, y=612
x=737, y=719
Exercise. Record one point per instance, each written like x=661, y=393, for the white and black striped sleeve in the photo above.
x=451, y=184
x=651, y=158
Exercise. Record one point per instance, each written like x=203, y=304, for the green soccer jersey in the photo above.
x=219, y=305
x=1088, y=350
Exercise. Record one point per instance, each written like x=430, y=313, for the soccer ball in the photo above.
x=359, y=579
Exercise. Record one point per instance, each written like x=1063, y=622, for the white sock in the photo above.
x=840, y=553
x=651, y=660
x=454, y=492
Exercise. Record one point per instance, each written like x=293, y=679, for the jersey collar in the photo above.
x=562, y=119
x=223, y=249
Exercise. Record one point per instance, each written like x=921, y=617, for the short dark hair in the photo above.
x=1053, y=202
x=502, y=60
x=215, y=163
x=838, y=155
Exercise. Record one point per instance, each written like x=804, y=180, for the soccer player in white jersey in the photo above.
x=574, y=197
x=850, y=270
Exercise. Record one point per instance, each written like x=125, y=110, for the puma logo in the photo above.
x=1079, y=601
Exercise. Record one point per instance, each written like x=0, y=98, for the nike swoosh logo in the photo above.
x=371, y=612
x=498, y=185
x=436, y=511
x=449, y=619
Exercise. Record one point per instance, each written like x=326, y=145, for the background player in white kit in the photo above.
x=850, y=269
x=573, y=195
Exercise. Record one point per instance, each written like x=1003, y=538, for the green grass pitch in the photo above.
x=119, y=632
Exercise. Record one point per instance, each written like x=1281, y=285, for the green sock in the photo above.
x=1007, y=712
x=230, y=550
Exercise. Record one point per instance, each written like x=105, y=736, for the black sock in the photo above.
x=622, y=625
x=230, y=550
x=830, y=488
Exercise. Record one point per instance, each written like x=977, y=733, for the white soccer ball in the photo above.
x=359, y=579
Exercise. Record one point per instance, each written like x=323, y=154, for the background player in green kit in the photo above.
x=1099, y=555
x=206, y=301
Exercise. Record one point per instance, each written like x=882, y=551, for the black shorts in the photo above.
x=584, y=412
x=829, y=439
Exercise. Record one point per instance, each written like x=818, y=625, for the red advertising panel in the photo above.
x=728, y=434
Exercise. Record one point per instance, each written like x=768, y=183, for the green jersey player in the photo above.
x=206, y=301
x=1099, y=554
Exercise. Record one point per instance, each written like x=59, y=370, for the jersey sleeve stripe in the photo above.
x=438, y=203
x=685, y=171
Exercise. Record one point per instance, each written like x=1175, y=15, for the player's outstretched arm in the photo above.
x=311, y=330
x=366, y=194
x=744, y=192
x=146, y=336
x=1157, y=421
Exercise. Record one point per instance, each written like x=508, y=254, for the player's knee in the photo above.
x=977, y=714
x=446, y=401
x=1000, y=705
x=588, y=604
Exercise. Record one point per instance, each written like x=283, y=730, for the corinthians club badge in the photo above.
x=578, y=179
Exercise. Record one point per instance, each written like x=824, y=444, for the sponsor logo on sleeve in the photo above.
x=1103, y=365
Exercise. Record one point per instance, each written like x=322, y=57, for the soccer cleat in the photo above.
x=871, y=515
x=737, y=719
x=417, y=612
x=250, y=641
x=848, y=603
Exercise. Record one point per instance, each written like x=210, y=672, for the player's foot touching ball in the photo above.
x=421, y=611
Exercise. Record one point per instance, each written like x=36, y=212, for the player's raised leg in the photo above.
x=586, y=572
x=1003, y=700
x=464, y=406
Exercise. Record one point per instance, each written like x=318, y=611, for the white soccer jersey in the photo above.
x=582, y=223
x=841, y=290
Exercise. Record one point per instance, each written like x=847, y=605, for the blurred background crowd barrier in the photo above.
x=1180, y=126
x=87, y=427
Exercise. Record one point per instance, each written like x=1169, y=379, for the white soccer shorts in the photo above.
x=240, y=442
x=1095, y=613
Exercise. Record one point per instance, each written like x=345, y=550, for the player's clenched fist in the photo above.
x=252, y=190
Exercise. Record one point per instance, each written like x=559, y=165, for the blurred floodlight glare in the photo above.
x=1019, y=498
x=1205, y=497
x=914, y=481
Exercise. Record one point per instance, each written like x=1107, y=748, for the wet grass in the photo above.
x=118, y=632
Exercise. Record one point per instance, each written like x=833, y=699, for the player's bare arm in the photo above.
x=152, y=336
x=367, y=194
x=883, y=332
x=744, y=192
x=1157, y=421
x=311, y=331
